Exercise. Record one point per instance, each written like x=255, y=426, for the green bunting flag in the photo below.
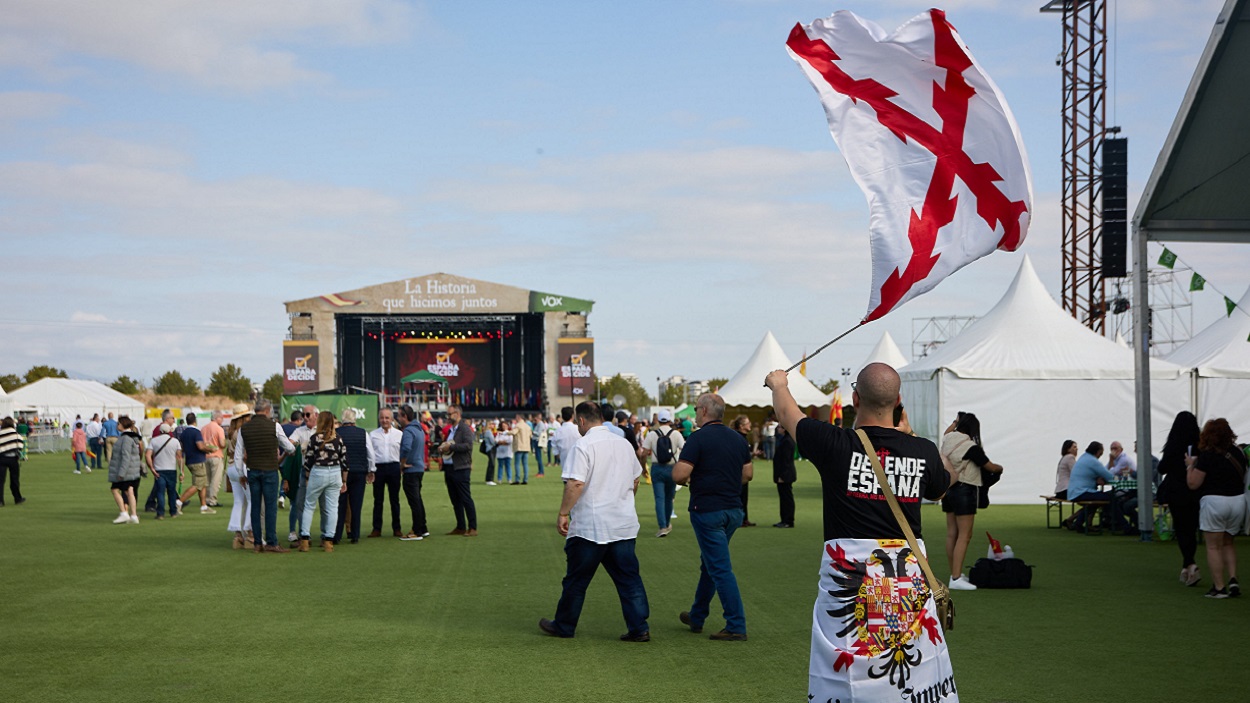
x=1197, y=282
x=1167, y=259
x=1230, y=305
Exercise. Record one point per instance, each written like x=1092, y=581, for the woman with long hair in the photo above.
x=962, y=446
x=241, y=510
x=742, y=425
x=1218, y=473
x=503, y=453
x=125, y=468
x=325, y=477
x=1067, y=457
x=1175, y=493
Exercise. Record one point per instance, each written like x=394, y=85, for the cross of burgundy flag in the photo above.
x=929, y=139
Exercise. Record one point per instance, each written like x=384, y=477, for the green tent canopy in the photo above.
x=686, y=411
x=423, y=377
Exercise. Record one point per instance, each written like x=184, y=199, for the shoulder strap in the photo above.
x=894, y=508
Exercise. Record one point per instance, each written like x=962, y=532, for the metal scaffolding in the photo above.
x=1084, y=64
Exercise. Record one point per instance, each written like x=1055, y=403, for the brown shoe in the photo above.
x=258, y=547
x=471, y=533
x=399, y=533
x=277, y=549
x=238, y=542
x=303, y=544
x=375, y=533
x=684, y=616
x=456, y=531
x=727, y=636
x=328, y=546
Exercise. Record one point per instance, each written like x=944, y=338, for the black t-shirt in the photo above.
x=1223, y=478
x=717, y=454
x=855, y=508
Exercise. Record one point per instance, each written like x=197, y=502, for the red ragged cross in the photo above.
x=947, y=144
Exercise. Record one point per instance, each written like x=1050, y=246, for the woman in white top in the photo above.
x=241, y=511
x=962, y=446
x=503, y=452
x=1066, y=459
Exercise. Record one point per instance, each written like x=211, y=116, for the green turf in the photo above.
x=166, y=611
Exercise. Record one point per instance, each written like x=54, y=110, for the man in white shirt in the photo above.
x=566, y=435
x=163, y=457
x=598, y=519
x=300, y=437
x=1120, y=463
x=95, y=441
x=385, y=442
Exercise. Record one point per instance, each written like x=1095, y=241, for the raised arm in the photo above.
x=784, y=405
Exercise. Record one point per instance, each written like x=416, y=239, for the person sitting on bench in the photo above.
x=1087, y=473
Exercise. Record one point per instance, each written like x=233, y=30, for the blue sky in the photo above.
x=171, y=172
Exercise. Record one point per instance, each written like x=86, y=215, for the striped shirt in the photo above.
x=11, y=441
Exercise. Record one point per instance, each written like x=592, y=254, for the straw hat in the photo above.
x=241, y=410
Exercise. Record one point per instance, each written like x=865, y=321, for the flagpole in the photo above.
x=826, y=345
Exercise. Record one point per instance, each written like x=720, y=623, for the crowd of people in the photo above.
x=1201, y=478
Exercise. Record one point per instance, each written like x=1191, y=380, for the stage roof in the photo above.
x=440, y=293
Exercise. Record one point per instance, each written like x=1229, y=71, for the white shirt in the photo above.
x=614, y=429
x=302, y=435
x=1122, y=465
x=94, y=429
x=385, y=445
x=503, y=445
x=164, y=458
x=608, y=466
x=566, y=436
x=675, y=437
x=769, y=429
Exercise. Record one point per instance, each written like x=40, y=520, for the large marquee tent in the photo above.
x=1034, y=377
x=1219, y=358
x=6, y=403
x=63, y=399
x=746, y=388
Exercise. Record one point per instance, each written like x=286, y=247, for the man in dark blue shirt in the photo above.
x=717, y=462
x=195, y=456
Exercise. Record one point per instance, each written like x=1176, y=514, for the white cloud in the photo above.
x=236, y=44
x=19, y=105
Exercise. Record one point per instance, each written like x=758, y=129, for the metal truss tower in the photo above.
x=1084, y=64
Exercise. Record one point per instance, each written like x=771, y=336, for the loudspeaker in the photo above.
x=1114, y=208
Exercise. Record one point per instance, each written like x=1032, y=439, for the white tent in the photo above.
x=1220, y=358
x=886, y=352
x=6, y=404
x=63, y=399
x=747, y=389
x=1034, y=377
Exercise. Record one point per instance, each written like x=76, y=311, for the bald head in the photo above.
x=877, y=386
x=710, y=407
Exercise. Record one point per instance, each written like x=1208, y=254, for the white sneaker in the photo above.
x=673, y=516
x=959, y=583
x=134, y=519
x=205, y=510
x=77, y=471
x=293, y=537
x=88, y=469
x=491, y=483
x=122, y=519
x=281, y=501
x=178, y=504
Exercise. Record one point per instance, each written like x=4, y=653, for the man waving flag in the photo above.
x=929, y=139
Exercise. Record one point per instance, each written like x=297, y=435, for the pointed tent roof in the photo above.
x=747, y=389
x=886, y=352
x=1222, y=349
x=64, y=397
x=1027, y=335
x=1196, y=191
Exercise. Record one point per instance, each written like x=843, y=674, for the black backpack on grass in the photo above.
x=1001, y=573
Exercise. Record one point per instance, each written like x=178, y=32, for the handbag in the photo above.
x=1001, y=573
x=941, y=594
x=988, y=479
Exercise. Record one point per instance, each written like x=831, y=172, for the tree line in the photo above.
x=228, y=380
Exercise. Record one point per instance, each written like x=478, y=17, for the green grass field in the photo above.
x=166, y=611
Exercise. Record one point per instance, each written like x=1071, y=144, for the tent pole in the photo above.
x=1141, y=374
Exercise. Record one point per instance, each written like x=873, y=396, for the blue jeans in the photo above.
x=664, y=488
x=769, y=445
x=296, y=502
x=322, y=489
x=96, y=445
x=80, y=461
x=621, y=563
x=523, y=466
x=166, y=485
x=504, y=473
x=538, y=457
x=264, y=486
x=713, y=531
